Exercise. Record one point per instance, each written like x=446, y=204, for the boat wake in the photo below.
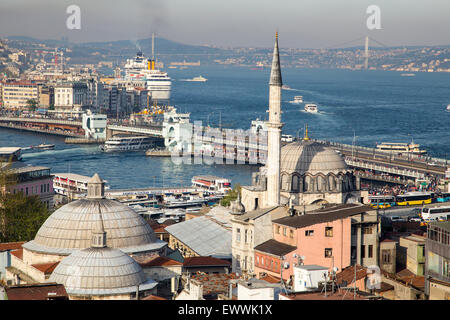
x=30, y=155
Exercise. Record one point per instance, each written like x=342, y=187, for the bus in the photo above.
x=382, y=201
x=413, y=198
x=443, y=197
x=435, y=213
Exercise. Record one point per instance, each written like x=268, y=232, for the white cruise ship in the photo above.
x=158, y=82
x=127, y=143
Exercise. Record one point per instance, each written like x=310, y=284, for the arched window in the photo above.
x=295, y=183
x=331, y=182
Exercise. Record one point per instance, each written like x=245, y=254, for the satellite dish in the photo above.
x=335, y=269
x=294, y=255
x=302, y=257
x=286, y=265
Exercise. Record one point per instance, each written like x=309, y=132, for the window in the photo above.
x=353, y=252
x=284, y=232
x=328, y=231
x=386, y=256
x=309, y=233
x=257, y=260
x=245, y=236
x=238, y=234
x=370, y=253
x=291, y=233
x=363, y=251
x=277, y=229
x=328, y=252
x=367, y=230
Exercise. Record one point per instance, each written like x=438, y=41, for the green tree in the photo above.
x=20, y=216
x=51, y=107
x=32, y=104
x=231, y=195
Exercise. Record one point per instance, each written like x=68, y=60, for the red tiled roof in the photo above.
x=152, y=297
x=410, y=278
x=339, y=295
x=204, y=262
x=348, y=274
x=18, y=253
x=160, y=262
x=214, y=283
x=46, y=268
x=159, y=229
x=271, y=279
x=42, y=291
x=5, y=246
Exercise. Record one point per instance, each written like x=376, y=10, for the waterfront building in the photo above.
x=437, y=263
x=46, y=96
x=69, y=229
x=94, y=125
x=15, y=95
x=70, y=96
x=31, y=181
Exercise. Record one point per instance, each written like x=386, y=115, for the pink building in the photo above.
x=323, y=239
x=33, y=181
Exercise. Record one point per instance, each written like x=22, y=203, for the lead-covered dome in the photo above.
x=311, y=157
x=70, y=227
x=100, y=271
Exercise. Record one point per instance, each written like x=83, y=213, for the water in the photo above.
x=377, y=106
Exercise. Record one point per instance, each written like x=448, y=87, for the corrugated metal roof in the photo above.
x=204, y=236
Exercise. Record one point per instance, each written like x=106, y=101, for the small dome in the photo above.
x=70, y=228
x=100, y=271
x=312, y=157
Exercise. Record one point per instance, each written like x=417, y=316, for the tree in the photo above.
x=32, y=104
x=20, y=216
x=231, y=195
x=51, y=107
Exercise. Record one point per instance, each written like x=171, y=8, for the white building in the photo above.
x=70, y=96
x=94, y=125
x=307, y=277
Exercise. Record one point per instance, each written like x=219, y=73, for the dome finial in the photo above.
x=306, y=138
x=96, y=188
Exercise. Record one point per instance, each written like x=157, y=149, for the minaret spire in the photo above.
x=274, y=126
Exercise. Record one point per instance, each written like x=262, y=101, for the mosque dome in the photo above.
x=70, y=227
x=100, y=271
x=311, y=157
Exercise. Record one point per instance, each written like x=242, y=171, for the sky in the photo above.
x=232, y=23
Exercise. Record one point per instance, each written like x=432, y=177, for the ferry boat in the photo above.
x=312, y=108
x=157, y=81
x=286, y=87
x=127, y=143
x=197, y=79
x=212, y=183
x=398, y=147
x=71, y=184
x=407, y=74
x=297, y=99
x=44, y=146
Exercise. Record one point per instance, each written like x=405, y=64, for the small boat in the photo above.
x=297, y=99
x=407, y=75
x=44, y=146
x=197, y=79
x=312, y=108
x=285, y=87
x=448, y=108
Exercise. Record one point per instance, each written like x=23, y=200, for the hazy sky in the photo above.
x=250, y=23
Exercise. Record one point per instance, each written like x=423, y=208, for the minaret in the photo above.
x=274, y=126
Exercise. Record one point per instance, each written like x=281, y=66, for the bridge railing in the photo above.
x=41, y=120
x=406, y=173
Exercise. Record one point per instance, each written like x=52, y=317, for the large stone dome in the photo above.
x=70, y=228
x=311, y=157
x=100, y=271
